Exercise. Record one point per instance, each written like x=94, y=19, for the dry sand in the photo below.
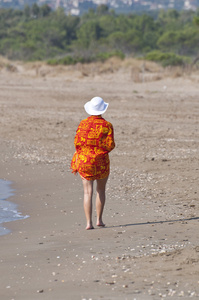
x=150, y=246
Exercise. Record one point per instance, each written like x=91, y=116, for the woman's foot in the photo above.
x=100, y=224
x=89, y=226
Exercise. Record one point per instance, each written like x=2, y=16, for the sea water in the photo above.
x=8, y=210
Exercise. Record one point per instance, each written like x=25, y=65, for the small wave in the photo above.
x=8, y=210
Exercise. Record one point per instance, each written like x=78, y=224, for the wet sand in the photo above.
x=149, y=248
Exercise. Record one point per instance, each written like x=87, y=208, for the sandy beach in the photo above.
x=149, y=248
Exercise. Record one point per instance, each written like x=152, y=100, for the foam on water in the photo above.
x=8, y=210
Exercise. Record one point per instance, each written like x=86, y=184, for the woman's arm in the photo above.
x=108, y=142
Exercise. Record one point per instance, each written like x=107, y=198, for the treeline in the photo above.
x=38, y=33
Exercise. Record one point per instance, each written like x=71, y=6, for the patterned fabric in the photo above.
x=93, y=141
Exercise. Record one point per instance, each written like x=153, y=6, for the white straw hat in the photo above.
x=96, y=106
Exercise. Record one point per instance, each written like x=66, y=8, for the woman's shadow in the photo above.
x=153, y=222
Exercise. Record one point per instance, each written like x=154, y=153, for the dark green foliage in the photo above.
x=166, y=59
x=87, y=33
x=38, y=33
x=71, y=60
x=181, y=42
x=102, y=9
x=106, y=55
x=68, y=60
x=196, y=21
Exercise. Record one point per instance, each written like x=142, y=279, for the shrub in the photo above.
x=166, y=59
x=106, y=55
x=71, y=60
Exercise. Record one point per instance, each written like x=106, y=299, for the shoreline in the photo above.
x=46, y=239
x=4, y=197
x=11, y=213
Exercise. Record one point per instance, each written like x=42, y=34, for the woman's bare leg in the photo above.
x=100, y=199
x=88, y=193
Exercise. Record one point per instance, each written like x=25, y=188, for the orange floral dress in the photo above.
x=93, y=141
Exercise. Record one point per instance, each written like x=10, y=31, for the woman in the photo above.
x=93, y=141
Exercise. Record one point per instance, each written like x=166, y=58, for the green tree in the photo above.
x=144, y=23
x=169, y=20
x=117, y=41
x=168, y=41
x=107, y=24
x=27, y=11
x=102, y=9
x=196, y=21
x=45, y=10
x=88, y=33
x=35, y=10
x=134, y=41
x=70, y=24
x=123, y=23
x=184, y=42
